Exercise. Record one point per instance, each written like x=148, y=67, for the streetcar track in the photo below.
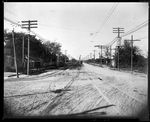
x=103, y=94
x=121, y=90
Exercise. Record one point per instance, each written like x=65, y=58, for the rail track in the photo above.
x=129, y=105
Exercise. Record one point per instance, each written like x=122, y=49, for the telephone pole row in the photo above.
x=15, y=59
x=28, y=26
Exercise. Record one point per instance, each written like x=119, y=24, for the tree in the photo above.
x=125, y=56
x=36, y=47
x=52, y=49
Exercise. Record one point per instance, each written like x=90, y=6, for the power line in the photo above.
x=13, y=14
x=131, y=31
x=142, y=38
x=63, y=28
x=137, y=16
x=135, y=29
x=106, y=19
x=11, y=21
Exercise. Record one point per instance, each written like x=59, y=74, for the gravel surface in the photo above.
x=90, y=91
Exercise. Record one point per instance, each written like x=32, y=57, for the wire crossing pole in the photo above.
x=29, y=23
x=118, y=30
x=132, y=52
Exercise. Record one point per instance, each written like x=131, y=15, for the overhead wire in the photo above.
x=106, y=19
x=136, y=28
x=142, y=38
x=135, y=18
x=64, y=28
x=13, y=22
x=5, y=8
x=14, y=14
x=129, y=32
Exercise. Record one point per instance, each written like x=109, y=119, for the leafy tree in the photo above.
x=52, y=49
x=36, y=47
x=125, y=56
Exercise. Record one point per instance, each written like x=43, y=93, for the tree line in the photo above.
x=140, y=62
x=48, y=51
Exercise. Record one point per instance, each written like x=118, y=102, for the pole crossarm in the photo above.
x=28, y=26
x=29, y=23
x=118, y=30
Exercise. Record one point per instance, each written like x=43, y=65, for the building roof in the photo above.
x=34, y=59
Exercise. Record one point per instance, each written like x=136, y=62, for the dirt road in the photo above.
x=87, y=91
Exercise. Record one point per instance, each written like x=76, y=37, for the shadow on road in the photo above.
x=60, y=90
x=82, y=114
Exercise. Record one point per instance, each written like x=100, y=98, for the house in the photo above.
x=8, y=59
x=34, y=62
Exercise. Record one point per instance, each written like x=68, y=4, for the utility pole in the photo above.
x=29, y=23
x=101, y=47
x=23, y=52
x=132, y=52
x=94, y=56
x=110, y=55
x=118, y=30
x=15, y=60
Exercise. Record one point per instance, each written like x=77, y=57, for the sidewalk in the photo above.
x=13, y=75
x=121, y=70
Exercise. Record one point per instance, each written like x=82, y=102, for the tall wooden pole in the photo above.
x=131, y=54
x=28, y=54
x=23, y=51
x=15, y=61
x=118, y=58
x=29, y=26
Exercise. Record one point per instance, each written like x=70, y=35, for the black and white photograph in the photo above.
x=76, y=60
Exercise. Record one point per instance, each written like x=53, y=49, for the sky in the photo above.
x=81, y=26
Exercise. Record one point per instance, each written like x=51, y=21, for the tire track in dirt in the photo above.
x=29, y=102
x=54, y=103
x=127, y=104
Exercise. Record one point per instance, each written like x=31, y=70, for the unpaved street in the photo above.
x=87, y=91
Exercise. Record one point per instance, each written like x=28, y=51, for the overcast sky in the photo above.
x=75, y=25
